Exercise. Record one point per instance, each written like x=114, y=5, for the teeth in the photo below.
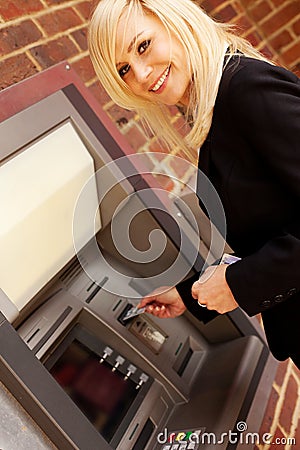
x=161, y=80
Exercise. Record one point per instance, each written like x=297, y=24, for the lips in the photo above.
x=160, y=81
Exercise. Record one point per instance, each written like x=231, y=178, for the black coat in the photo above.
x=252, y=157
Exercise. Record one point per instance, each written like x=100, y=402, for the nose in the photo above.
x=141, y=70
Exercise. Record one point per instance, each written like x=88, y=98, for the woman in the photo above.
x=244, y=114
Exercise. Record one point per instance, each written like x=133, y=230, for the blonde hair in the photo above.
x=205, y=42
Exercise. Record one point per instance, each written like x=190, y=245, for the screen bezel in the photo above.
x=38, y=121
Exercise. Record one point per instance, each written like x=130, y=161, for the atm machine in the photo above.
x=85, y=233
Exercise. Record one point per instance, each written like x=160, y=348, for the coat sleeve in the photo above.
x=264, y=101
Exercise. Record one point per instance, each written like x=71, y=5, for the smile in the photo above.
x=161, y=81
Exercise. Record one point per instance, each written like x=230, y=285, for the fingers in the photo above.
x=152, y=306
x=156, y=309
x=196, y=294
x=207, y=274
x=203, y=279
x=163, y=303
x=143, y=302
x=147, y=301
x=195, y=290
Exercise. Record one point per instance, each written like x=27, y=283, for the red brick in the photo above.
x=269, y=414
x=56, y=2
x=296, y=27
x=136, y=138
x=15, y=37
x=247, y=3
x=178, y=166
x=120, y=115
x=54, y=51
x=296, y=70
x=181, y=126
x=173, y=110
x=297, y=433
x=99, y=93
x=243, y=24
x=254, y=38
x=147, y=130
x=85, y=9
x=80, y=37
x=160, y=152
x=15, y=69
x=158, y=147
x=260, y=11
x=277, y=3
x=226, y=14
x=290, y=400
x=60, y=20
x=281, y=40
x=11, y=9
x=165, y=182
x=281, y=371
x=281, y=438
x=267, y=51
x=281, y=17
x=210, y=5
x=84, y=68
x=292, y=55
x=238, y=6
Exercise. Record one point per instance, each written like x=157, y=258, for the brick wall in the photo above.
x=35, y=34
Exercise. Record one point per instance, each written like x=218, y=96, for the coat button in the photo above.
x=291, y=292
x=278, y=298
x=266, y=303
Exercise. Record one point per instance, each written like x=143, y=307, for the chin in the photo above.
x=172, y=101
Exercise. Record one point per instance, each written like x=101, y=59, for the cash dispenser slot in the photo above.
x=144, y=436
x=187, y=357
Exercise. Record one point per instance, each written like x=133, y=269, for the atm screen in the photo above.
x=39, y=188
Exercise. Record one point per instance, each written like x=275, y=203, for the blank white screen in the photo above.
x=38, y=193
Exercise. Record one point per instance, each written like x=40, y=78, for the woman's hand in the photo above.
x=164, y=303
x=212, y=290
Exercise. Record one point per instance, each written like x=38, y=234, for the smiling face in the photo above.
x=151, y=61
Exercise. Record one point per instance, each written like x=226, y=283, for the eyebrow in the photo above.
x=133, y=41
x=131, y=45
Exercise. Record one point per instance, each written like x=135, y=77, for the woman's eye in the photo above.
x=124, y=70
x=143, y=46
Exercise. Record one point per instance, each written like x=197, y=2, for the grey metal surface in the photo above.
x=18, y=431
